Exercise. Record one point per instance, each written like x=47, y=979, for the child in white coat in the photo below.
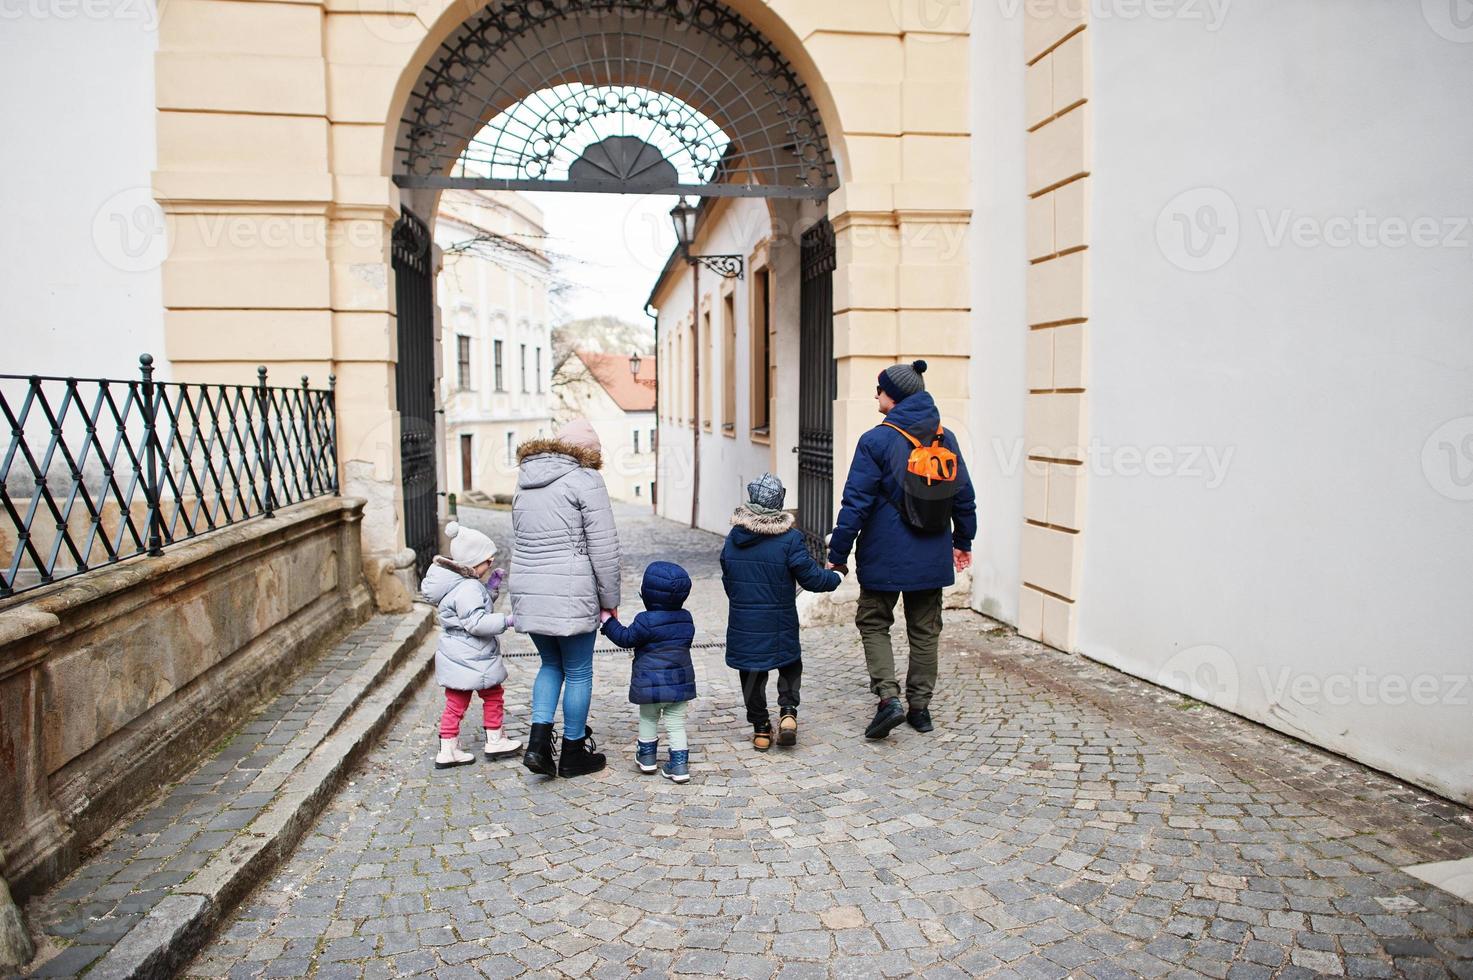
x=468, y=658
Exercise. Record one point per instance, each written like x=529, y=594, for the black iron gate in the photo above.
x=415, y=384
x=817, y=388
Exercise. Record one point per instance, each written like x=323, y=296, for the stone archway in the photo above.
x=288, y=115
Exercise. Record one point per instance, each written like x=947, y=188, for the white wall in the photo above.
x=728, y=463
x=83, y=241
x=999, y=321
x=1333, y=556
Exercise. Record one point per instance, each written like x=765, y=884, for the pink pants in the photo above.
x=456, y=702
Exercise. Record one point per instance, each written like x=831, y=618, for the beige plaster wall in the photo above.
x=276, y=121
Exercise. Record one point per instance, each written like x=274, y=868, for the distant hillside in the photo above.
x=604, y=335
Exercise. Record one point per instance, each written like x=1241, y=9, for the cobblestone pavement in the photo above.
x=1063, y=820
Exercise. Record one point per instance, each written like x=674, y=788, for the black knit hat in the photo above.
x=900, y=380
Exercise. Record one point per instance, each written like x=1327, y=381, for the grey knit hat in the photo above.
x=766, y=491
x=901, y=380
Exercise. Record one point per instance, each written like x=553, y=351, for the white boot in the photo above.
x=498, y=745
x=450, y=754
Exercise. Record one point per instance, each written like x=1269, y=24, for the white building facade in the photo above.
x=620, y=405
x=496, y=380
x=747, y=334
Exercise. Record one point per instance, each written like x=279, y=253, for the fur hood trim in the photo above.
x=590, y=459
x=761, y=523
x=464, y=571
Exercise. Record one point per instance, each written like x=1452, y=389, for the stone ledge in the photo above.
x=344, y=724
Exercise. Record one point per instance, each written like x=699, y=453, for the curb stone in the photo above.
x=183, y=922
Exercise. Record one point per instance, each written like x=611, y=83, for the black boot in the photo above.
x=578, y=757
x=538, y=756
x=888, y=715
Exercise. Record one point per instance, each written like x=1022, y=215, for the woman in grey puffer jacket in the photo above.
x=564, y=570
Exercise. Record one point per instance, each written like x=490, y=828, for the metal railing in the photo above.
x=97, y=470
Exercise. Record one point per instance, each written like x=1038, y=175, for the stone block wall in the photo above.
x=113, y=681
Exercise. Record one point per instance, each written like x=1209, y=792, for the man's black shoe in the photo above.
x=919, y=719
x=887, y=716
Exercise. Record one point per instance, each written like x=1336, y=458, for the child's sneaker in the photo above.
x=677, y=767
x=451, y=755
x=498, y=746
x=646, y=756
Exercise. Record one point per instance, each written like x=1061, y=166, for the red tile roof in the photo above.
x=612, y=371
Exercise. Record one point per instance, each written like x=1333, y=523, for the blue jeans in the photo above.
x=567, y=669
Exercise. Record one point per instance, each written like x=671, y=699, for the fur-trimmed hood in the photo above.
x=464, y=571
x=543, y=462
x=444, y=576
x=744, y=517
x=588, y=458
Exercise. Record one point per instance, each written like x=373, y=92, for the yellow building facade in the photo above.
x=290, y=112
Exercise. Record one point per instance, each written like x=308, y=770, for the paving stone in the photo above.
x=1061, y=819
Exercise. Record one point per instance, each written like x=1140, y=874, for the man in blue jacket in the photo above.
x=895, y=559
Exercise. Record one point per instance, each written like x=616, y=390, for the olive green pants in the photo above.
x=875, y=617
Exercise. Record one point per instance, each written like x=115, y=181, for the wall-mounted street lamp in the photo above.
x=683, y=217
x=634, y=362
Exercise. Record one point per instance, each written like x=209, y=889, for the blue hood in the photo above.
x=916, y=414
x=666, y=586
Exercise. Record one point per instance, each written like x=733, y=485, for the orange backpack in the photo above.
x=929, y=484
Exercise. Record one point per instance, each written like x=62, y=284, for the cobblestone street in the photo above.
x=1062, y=820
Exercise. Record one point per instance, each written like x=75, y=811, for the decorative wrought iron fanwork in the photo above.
x=98, y=470
x=677, y=96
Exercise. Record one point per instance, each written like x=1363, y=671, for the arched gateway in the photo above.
x=621, y=96
x=350, y=118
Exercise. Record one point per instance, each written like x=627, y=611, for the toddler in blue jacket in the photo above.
x=662, y=680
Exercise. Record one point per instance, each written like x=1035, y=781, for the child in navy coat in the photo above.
x=762, y=563
x=662, y=680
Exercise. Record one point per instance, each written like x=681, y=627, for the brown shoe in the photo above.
x=762, y=739
x=787, y=729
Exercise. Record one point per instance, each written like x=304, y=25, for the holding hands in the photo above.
x=604, y=615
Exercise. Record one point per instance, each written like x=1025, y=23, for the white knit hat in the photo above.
x=468, y=546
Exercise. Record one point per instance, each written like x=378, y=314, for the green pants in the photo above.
x=674, y=714
x=922, y=628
